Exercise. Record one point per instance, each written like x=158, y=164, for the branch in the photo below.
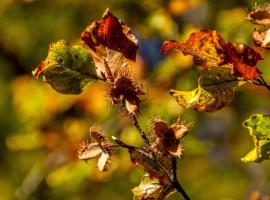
x=174, y=181
x=261, y=82
x=141, y=132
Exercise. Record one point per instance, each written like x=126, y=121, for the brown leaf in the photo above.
x=111, y=43
x=103, y=163
x=167, y=138
x=111, y=33
x=126, y=91
x=101, y=149
x=144, y=158
x=206, y=47
x=209, y=49
x=151, y=189
x=244, y=60
x=260, y=16
x=262, y=38
x=89, y=151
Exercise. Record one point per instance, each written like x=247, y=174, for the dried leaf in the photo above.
x=215, y=90
x=89, y=151
x=206, y=47
x=97, y=134
x=259, y=129
x=126, y=91
x=160, y=127
x=103, y=163
x=209, y=49
x=179, y=131
x=144, y=158
x=262, y=38
x=244, y=60
x=68, y=68
x=167, y=138
x=111, y=43
x=151, y=189
x=260, y=16
x=101, y=149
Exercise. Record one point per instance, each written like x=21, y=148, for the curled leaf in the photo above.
x=205, y=46
x=244, y=60
x=144, y=158
x=89, y=151
x=209, y=49
x=260, y=16
x=259, y=128
x=167, y=138
x=101, y=149
x=110, y=42
x=67, y=68
x=215, y=90
x=151, y=189
x=97, y=134
x=126, y=91
x=103, y=163
x=262, y=38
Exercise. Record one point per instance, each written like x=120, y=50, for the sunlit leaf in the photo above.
x=110, y=42
x=151, y=189
x=215, y=90
x=68, y=68
x=259, y=129
x=244, y=60
x=205, y=46
x=209, y=49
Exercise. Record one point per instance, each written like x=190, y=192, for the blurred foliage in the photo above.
x=40, y=130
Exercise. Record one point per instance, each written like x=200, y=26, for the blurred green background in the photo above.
x=40, y=130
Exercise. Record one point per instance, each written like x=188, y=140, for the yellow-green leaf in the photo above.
x=259, y=128
x=67, y=68
x=215, y=90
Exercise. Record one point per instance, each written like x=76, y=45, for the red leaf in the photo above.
x=209, y=49
x=38, y=70
x=170, y=44
x=111, y=33
x=244, y=60
x=205, y=46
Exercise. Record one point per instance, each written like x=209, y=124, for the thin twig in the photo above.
x=134, y=120
x=265, y=83
x=260, y=81
x=176, y=183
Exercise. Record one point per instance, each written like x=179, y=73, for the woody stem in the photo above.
x=176, y=183
x=174, y=180
x=264, y=83
x=260, y=81
x=141, y=132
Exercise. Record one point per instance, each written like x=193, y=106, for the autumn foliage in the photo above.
x=113, y=48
